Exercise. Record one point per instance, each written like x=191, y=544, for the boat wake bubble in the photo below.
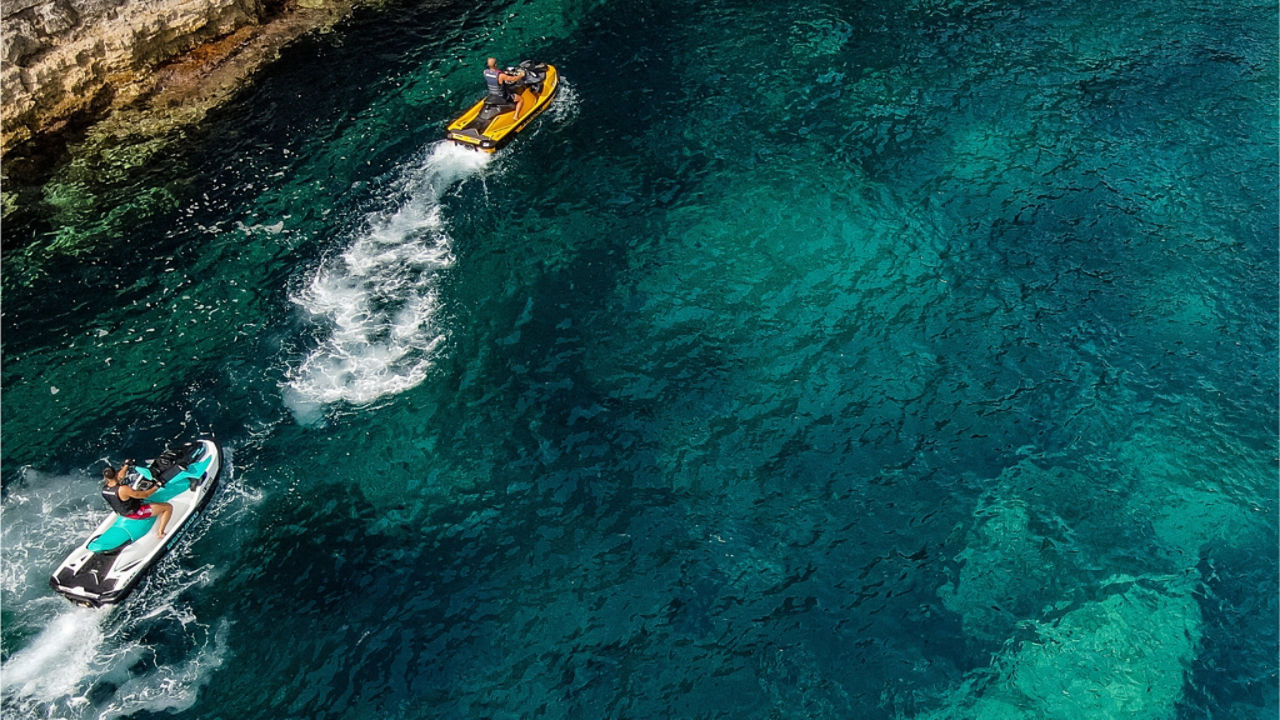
x=55, y=663
x=379, y=299
x=565, y=106
x=78, y=667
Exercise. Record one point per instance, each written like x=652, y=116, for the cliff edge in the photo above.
x=64, y=61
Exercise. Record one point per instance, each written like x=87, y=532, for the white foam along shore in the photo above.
x=377, y=302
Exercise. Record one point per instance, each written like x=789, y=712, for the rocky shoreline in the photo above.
x=125, y=68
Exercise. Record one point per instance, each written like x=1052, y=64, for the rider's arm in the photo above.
x=509, y=78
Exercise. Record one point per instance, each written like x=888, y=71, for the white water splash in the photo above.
x=56, y=663
x=82, y=649
x=379, y=297
x=565, y=106
x=41, y=516
x=173, y=688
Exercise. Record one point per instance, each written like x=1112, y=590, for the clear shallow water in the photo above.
x=820, y=361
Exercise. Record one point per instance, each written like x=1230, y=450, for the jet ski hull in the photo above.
x=106, y=567
x=488, y=127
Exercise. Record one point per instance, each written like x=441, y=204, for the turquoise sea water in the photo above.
x=811, y=360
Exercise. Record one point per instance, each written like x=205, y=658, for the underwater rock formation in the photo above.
x=1125, y=655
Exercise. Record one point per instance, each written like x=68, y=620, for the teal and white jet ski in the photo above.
x=107, y=566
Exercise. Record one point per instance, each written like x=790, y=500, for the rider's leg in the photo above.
x=162, y=511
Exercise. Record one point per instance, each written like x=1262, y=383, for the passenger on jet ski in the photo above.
x=497, y=82
x=127, y=501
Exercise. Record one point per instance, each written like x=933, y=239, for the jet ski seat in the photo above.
x=492, y=108
x=120, y=534
x=109, y=545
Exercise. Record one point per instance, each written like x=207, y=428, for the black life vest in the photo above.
x=122, y=507
x=491, y=80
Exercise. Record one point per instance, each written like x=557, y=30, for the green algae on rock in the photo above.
x=65, y=59
x=147, y=111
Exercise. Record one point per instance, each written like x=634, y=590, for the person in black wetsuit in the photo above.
x=128, y=502
x=497, y=81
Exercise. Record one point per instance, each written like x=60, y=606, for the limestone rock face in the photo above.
x=63, y=58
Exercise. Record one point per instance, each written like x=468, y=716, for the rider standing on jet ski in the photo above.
x=497, y=80
x=128, y=502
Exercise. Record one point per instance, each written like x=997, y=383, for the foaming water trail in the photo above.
x=56, y=663
x=81, y=666
x=564, y=108
x=169, y=687
x=379, y=298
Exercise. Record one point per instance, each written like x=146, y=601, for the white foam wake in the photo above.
x=379, y=298
x=60, y=658
x=169, y=687
x=82, y=649
x=566, y=105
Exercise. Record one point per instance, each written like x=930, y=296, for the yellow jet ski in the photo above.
x=492, y=122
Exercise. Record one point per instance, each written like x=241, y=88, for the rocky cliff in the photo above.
x=67, y=60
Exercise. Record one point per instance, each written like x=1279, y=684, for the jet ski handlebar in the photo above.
x=530, y=74
x=142, y=482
